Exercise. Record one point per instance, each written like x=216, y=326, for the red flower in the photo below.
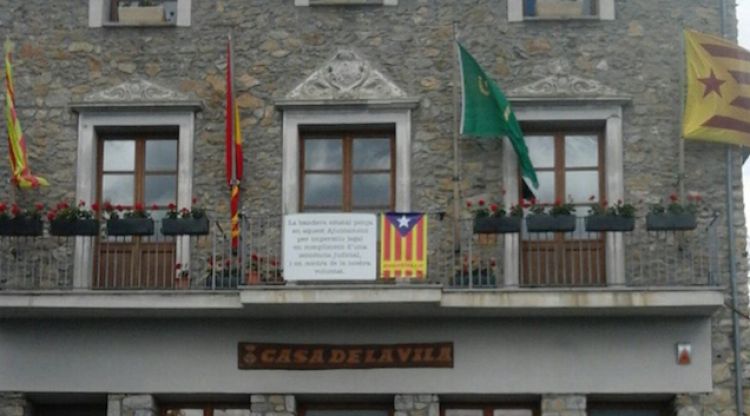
x=523, y=203
x=62, y=205
x=138, y=206
x=3, y=207
x=254, y=257
x=95, y=207
x=119, y=207
x=51, y=215
x=533, y=201
x=493, y=207
x=178, y=266
x=481, y=202
x=673, y=197
x=698, y=198
x=468, y=204
x=154, y=207
x=82, y=203
x=195, y=199
x=605, y=203
x=558, y=202
x=108, y=206
x=39, y=206
x=172, y=206
x=15, y=210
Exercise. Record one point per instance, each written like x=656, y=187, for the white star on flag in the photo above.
x=403, y=222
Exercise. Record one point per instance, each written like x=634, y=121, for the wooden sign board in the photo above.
x=256, y=356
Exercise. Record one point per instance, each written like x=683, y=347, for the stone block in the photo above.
x=139, y=402
x=290, y=403
x=257, y=398
x=403, y=402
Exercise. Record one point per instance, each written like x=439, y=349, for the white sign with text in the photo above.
x=330, y=247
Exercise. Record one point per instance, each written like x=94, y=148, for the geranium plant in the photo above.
x=64, y=212
x=620, y=209
x=674, y=206
x=561, y=208
x=32, y=213
x=115, y=212
x=195, y=211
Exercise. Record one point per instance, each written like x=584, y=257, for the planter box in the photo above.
x=497, y=225
x=21, y=227
x=144, y=15
x=559, y=8
x=670, y=222
x=609, y=223
x=545, y=223
x=184, y=226
x=73, y=228
x=130, y=226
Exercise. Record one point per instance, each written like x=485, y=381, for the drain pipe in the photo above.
x=732, y=256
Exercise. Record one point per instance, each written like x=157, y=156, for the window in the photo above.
x=205, y=410
x=628, y=409
x=519, y=10
x=570, y=168
x=347, y=170
x=503, y=409
x=346, y=409
x=128, y=13
x=137, y=168
x=345, y=2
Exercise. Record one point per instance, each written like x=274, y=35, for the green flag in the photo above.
x=486, y=112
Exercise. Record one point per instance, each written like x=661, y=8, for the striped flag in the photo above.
x=403, y=245
x=233, y=150
x=19, y=160
x=717, y=105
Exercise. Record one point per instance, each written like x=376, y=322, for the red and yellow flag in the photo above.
x=717, y=105
x=403, y=245
x=233, y=148
x=19, y=160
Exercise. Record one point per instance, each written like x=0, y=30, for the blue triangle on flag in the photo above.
x=404, y=222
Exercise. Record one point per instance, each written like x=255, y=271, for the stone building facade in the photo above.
x=615, y=71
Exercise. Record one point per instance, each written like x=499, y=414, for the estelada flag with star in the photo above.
x=403, y=245
x=717, y=105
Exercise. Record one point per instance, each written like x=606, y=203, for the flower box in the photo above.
x=21, y=227
x=597, y=223
x=184, y=226
x=559, y=8
x=130, y=226
x=497, y=225
x=671, y=222
x=74, y=228
x=141, y=15
x=545, y=223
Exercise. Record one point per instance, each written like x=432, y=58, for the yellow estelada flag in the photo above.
x=717, y=105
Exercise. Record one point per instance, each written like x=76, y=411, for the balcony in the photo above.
x=479, y=261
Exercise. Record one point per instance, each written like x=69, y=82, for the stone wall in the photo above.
x=416, y=405
x=564, y=405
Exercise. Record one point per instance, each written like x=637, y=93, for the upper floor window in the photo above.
x=345, y=2
x=519, y=10
x=628, y=409
x=347, y=170
x=139, y=13
x=506, y=409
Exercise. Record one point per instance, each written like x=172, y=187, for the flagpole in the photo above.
x=681, y=147
x=738, y=393
x=456, y=149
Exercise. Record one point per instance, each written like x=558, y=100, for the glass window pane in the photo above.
x=119, y=155
x=161, y=155
x=581, y=151
x=323, y=190
x=371, y=189
x=464, y=412
x=160, y=189
x=545, y=194
x=323, y=154
x=541, y=151
x=118, y=188
x=372, y=154
x=580, y=185
x=512, y=412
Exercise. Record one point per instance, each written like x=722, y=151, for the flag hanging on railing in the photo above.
x=19, y=160
x=233, y=150
x=717, y=105
x=403, y=245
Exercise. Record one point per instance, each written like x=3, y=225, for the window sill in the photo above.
x=560, y=18
x=119, y=24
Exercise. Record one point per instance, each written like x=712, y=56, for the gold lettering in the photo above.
x=404, y=354
x=429, y=354
x=386, y=356
x=317, y=356
x=370, y=356
x=300, y=356
x=268, y=356
x=355, y=356
x=285, y=356
x=446, y=354
x=337, y=356
x=417, y=358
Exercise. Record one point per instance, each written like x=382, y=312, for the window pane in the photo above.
x=546, y=191
x=371, y=189
x=580, y=185
x=512, y=412
x=118, y=189
x=119, y=155
x=581, y=151
x=372, y=154
x=323, y=154
x=161, y=155
x=541, y=151
x=323, y=190
x=160, y=189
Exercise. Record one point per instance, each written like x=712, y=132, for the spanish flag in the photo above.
x=233, y=150
x=717, y=105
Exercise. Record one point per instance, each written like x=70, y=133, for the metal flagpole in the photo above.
x=738, y=394
x=681, y=147
x=456, y=155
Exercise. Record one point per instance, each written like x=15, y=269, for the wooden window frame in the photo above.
x=347, y=170
x=490, y=407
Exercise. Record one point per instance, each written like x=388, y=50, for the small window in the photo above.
x=139, y=13
x=345, y=2
x=520, y=10
x=347, y=171
x=205, y=410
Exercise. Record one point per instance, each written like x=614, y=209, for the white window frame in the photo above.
x=86, y=174
x=306, y=3
x=606, y=10
x=611, y=115
x=99, y=14
x=293, y=118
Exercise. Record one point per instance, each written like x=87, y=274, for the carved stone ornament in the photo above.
x=561, y=84
x=136, y=92
x=346, y=76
